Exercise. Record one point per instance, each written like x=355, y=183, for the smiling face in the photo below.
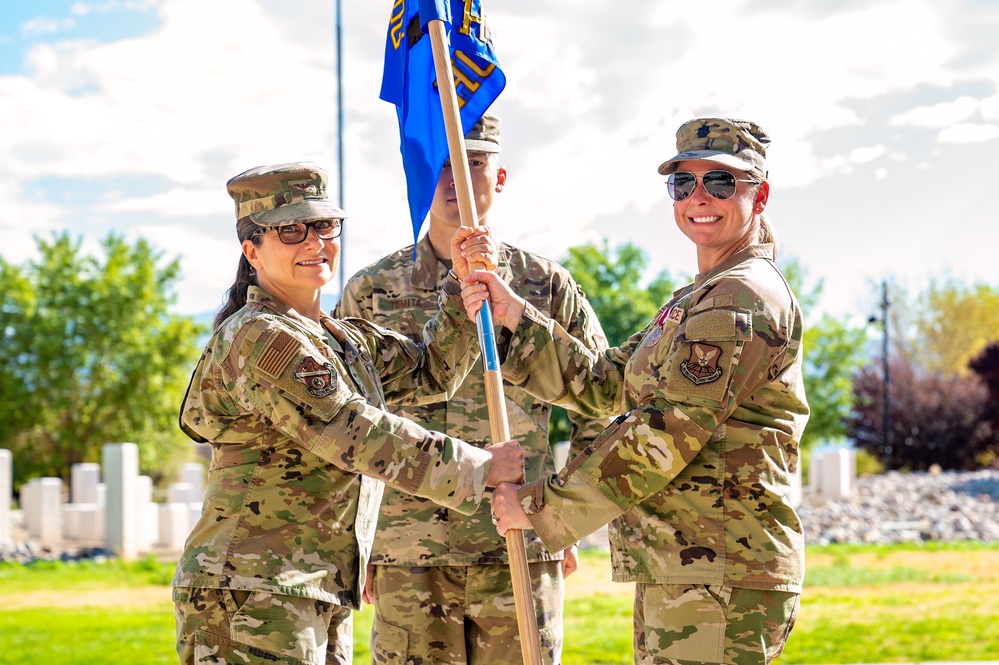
x=293, y=273
x=719, y=227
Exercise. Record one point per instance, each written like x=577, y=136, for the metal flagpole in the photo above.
x=339, y=139
x=527, y=620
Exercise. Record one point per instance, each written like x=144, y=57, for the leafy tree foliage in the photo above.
x=614, y=284
x=940, y=411
x=613, y=281
x=986, y=366
x=934, y=418
x=833, y=355
x=90, y=355
x=942, y=328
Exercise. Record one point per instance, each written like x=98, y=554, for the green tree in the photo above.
x=950, y=323
x=90, y=355
x=614, y=283
x=834, y=353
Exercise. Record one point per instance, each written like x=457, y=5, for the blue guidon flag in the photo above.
x=409, y=82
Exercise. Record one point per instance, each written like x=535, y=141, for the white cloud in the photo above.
x=42, y=25
x=938, y=115
x=967, y=132
x=178, y=202
x=86, y=8
x=866, y=154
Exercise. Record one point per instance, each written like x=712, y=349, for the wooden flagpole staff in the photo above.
x=527, y=621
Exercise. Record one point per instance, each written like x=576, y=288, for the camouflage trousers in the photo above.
x=225, y=627
x=461, y=614
x=694, y=623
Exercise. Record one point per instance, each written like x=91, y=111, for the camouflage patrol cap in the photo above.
x=739, y=144
x=484, y=136
x=282, y=194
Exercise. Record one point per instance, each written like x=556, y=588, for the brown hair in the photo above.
x=246, y=276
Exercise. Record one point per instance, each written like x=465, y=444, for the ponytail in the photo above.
x=246, y=276
x=764, y=230
x=765, y=233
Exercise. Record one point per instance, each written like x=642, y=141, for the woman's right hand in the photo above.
x=506, y=306
x=507, y=463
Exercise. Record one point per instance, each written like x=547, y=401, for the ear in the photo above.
x=500, y=178
x=250, y=252
x=762, y=196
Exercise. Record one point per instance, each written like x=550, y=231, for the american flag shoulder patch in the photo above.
x=281, y=348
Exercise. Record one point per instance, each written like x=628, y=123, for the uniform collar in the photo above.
x=264, y=300
x=764, y=251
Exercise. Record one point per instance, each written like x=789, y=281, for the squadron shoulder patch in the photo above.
x=319, y=379
x=702, y=365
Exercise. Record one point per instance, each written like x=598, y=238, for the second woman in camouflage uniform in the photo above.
x=697, y=471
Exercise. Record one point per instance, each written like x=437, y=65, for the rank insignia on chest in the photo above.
x=702, y=365
x=319, y=379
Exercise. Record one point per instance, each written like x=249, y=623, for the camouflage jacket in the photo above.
x=697, y=471
x=294, y=411
x=398, y=292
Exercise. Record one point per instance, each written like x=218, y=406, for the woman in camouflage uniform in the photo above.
x=697, y=472
x=293, y=404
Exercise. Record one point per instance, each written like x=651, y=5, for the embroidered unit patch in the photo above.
x=319, y=379
x=702, y=365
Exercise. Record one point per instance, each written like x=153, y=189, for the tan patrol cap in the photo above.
x=484, y=136
x=739, y=144
x=282, y=194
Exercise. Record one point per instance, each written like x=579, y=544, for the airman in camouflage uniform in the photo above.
x=441, y=583
x=293, y=404
x=697, y=471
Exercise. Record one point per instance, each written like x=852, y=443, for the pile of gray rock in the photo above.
x=908, y=507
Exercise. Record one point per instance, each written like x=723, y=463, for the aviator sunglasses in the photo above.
x=719, y=184
x=292, y=234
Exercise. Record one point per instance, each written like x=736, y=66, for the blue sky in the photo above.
x=130, y=115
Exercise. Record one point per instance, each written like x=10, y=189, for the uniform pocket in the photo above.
x=389, y=643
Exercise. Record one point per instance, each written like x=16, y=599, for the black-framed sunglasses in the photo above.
x=719, y=184
x=292, y=234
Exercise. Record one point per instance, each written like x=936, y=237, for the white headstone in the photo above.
x=175, y=525
x=836, y=476
x=194, y=473
x=31, y=505
x=182, y=493
x=71, y=521
x=6, y=496
x=121, y=468
x=83, y=480
x=146, y=532
x=90, y=521
x=49, y=511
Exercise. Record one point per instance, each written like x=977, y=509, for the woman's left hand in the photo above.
x=507, y=511
x=472, y=245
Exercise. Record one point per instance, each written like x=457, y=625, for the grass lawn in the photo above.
x=861, y=605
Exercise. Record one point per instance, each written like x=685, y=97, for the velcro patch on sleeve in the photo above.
x=702, y=369
x=280, y=350
x=716, y=324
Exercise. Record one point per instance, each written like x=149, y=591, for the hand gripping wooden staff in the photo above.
x=527, y=621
